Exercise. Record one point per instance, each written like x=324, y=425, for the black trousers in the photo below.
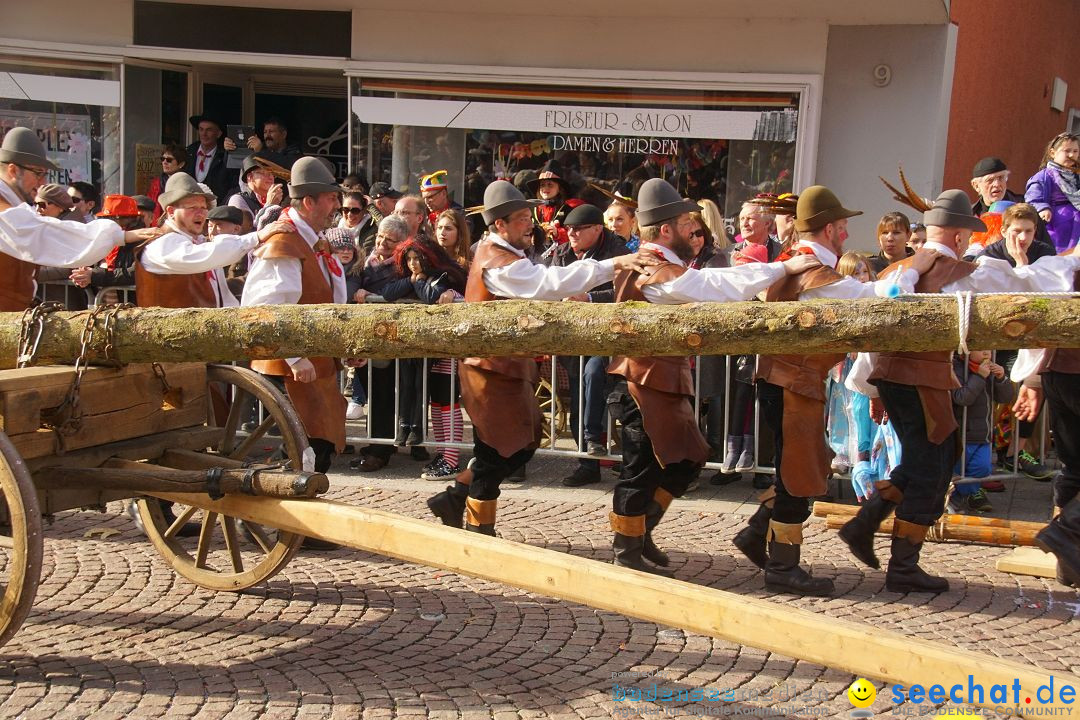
x=380, y=414
x=1062, y=392
x=925, y=468
x=490, y=469
x=642, y=474
x=787, y=508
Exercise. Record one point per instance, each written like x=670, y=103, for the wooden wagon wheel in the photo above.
x=20, y=540
x=227, y=553
x=550, y=402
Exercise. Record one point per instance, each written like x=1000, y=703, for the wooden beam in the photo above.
x=567, y=328
x=963, y=532
x=866, y=651
x=1028, y=561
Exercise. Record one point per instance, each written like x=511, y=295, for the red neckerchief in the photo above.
x=793, y=251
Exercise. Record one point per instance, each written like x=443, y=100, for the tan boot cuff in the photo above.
x=911, y=532
x=663, y=498
x=629, y=525
x=768, y=497
x=889, y=491
x=786, y=533
x=480, y=512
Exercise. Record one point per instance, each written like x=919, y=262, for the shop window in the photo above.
x=725, y=146
x=76, y=112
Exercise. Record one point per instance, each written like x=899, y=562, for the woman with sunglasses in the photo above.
x=173, y=160
x=53, y=201
x=353, y=214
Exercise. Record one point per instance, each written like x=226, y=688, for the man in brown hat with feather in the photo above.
x=662, y=445
x=27, y=239
x=915, y=390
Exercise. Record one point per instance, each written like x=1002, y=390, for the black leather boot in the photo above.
x=627, y=551
x=449, y=505
x=654, y=512
x=480, y=516
x=858, y=532
x=782, y=570
x=1061, y=536
x=904, y=574
x=751, y=540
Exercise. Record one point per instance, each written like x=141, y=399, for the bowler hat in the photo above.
x=196, y=119
x=817, y=207
x=502, y=199
x=179, y=186
x=228, y=213
x=381, y=190
x=551, y=170
x=312, y=176
x=584, y=214
x=659, y=201
x=143, y=202
x=118, y=206
x=988, y=166
x=22, y=147
x=56, y=194
x=952, y=209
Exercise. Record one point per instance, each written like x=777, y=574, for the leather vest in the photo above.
x=172, y=291
x=315, y=290
x=17, y=279
x=491, y=255
x=670, y=374
x=801, y=374
x=923, y=369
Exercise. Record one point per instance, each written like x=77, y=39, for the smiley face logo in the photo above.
x=861, y=693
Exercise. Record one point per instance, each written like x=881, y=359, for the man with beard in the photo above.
x=663, y=448
x=27, y=239
x=498, y=393
x=295, y=266
x=554, y=192
x=791, y=392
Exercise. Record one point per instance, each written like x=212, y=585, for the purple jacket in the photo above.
x=1064, y=225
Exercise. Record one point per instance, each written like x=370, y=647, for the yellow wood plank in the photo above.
x=863, y=650
x=1028, y=561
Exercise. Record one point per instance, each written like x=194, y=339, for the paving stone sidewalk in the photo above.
x=115, y=634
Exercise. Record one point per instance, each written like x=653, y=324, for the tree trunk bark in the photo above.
x=567, y=328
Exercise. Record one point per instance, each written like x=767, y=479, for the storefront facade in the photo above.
x=725, y=99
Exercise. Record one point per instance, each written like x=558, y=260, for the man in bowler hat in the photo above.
x=663, y=448
x=28, y=239
x=498, y=393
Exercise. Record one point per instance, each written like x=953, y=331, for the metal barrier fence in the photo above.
x=77, y=298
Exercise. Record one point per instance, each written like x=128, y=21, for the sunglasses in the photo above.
x=352, y=210
x=166, y=158
x=76, y=199
x=41, y=205
x=698, y=233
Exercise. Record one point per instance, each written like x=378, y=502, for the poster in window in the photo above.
x=67, y=140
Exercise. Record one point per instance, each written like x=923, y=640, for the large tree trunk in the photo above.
x=568, y=328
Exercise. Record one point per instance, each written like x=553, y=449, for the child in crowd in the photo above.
x=982, y=383
x=850, y=429
x=437, y=280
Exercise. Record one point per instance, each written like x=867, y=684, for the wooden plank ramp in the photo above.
x=864, y=650
x=1028, y=561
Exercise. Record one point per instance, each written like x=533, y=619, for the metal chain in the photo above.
x=33, y=323
x=66, y=418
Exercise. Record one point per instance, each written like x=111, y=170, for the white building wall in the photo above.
x=867, y=131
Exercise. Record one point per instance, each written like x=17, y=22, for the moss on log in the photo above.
x=567, y=328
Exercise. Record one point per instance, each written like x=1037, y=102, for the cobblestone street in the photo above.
x=115, y=634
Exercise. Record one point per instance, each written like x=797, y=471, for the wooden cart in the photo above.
x=144, y=428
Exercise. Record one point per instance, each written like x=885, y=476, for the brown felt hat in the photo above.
x=22, y=147
x=179, y=186
x=658, y=201
x=817, y=207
